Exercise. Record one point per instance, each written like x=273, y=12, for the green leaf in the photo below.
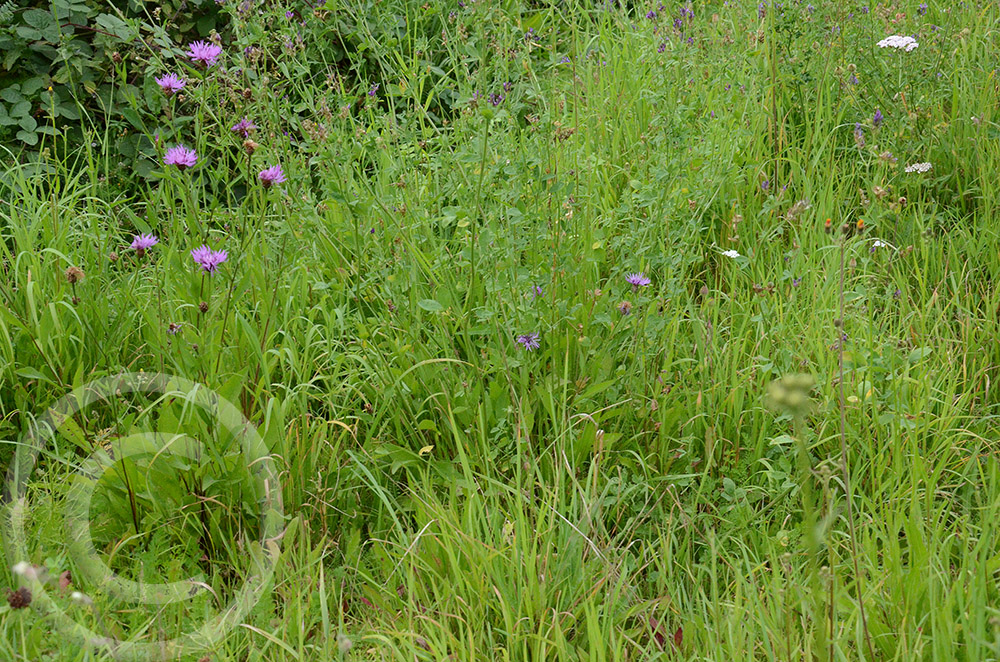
x=39, y=18
x=430, y=305
x=28, y=123
x=919, y=354
x=115, y=26
x=32, y=373
x=27, y=137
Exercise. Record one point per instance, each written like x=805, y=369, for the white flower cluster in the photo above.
x=918, y=167
x=731, y=253
x=899, y=41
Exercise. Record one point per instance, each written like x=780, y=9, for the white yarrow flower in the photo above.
x=918, y=167
x=731, y=253
x=899, y=42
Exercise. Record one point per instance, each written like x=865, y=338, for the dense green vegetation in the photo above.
x=561, y=331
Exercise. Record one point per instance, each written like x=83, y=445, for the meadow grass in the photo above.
x=627, y=490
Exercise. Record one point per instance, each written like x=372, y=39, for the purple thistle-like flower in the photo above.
x=530, y=341
x=170, y=84
x=208, y=259
x=877, y=118
x=143, y=242
x=205, y=54
x=180, y=156
x=271, y=176
x=637, y=280
x=244, y=127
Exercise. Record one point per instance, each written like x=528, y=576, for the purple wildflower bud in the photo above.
x=205, y=54
x=289, y=14
x=180, y=156
x=271, y=176
x=651, y=15
x=762, y=10
x=373, y=90
x=495, y=99
x=877, y=118
x=853, y=80
x=662, y=47
x=796, y=282
x=244, y=127
x=637, y=280
x=859, y=135
x=530, y=341
x=766, y=184
x=143, y=242
x=208, y=259
x=625, y=307
x=508, y=86
x=170, y=84
x=922, y=9
x=536, y=291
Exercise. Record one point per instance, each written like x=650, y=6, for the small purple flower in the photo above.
x=536, y=291
x=373, y=90
x=853, y=80
x=766, y=184
x=877, y=118
x=205, y=54
x=289, y=14
x=271, y=176
x=762, y=10
x=625, y=307
x=508, y=86
x=922, y=9
x=208, y=259
x=662, y=47
x=637, y=280
x=143, y=242
x=796, y=282
x=170, y=84
x=495, y=99
x=180, y=156
x=244, y=127
x=565, y=60
x=651, y=15
x=530, y=341
x=859, y=135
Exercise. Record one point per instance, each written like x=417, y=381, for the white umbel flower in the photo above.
x=731, y=253
x=899, y=42
x=918, y=167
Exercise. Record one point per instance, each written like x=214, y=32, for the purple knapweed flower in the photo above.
x=244, y=127
x=271, y=176
x=637, y=280
x=877, y=118
x=205, y=54
x=170, y=84
x=208, y=259
x=180, y=156
x=143, y=242
x=530, y=341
